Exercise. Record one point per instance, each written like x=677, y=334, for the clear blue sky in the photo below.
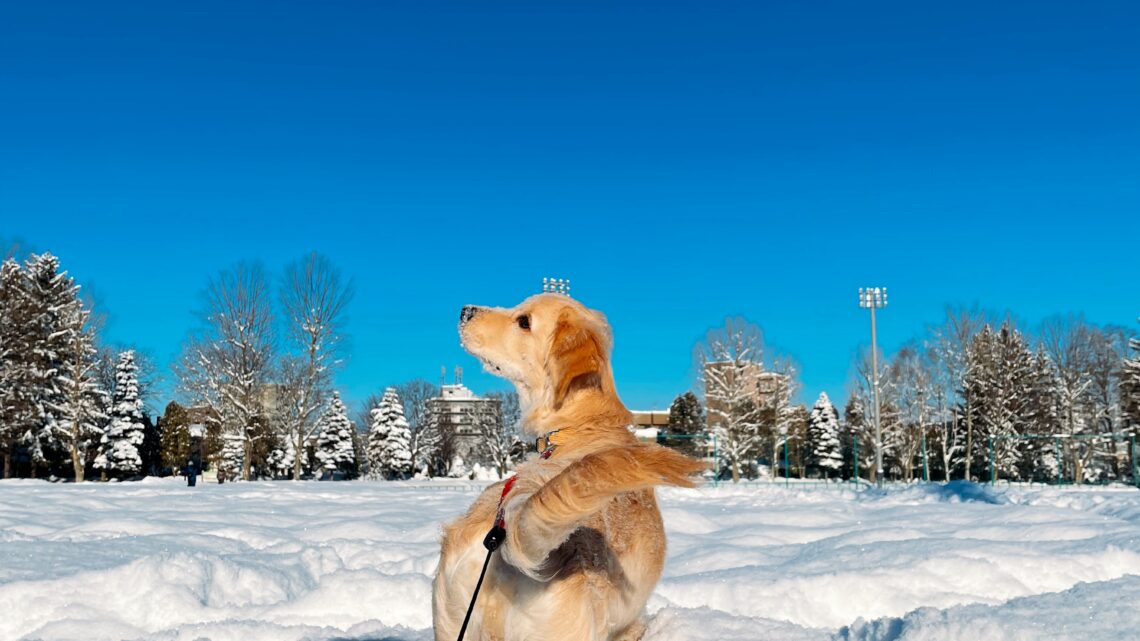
x=679, y=163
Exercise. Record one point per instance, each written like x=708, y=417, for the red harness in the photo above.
x=500, y=522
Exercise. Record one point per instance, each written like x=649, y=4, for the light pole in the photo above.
x=556, y=286
x=873, y=298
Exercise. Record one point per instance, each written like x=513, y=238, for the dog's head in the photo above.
x=550, y=346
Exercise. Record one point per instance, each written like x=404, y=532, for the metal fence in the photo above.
x=1079, y=451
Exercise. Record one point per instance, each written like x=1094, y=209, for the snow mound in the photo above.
x=1086, y=611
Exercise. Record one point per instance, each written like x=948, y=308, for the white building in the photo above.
x=456, y=408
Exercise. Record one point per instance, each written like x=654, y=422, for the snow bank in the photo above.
x=823, y=559
x=354, y=560
x=1104, y=611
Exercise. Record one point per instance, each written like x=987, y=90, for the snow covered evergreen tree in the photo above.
x=279, y=456
x=825, y=449
x=120, y=452
x=230, y=460
x=1040, y=459
x=15, y=401
x=51, y=296
x=379, y=419
x=334, y=440
x=389, y=439
x=1002, y=380
x=398, y=449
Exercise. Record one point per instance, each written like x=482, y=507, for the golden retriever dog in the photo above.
x=585, y=544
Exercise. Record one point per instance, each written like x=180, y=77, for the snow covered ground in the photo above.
x=291, y=561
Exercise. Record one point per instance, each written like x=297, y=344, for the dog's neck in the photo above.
x=588, y=408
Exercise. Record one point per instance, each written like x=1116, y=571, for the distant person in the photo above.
x=191, y=474
x=221, y=476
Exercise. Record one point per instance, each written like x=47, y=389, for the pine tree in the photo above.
x=687, y=420
x=51, y=296
x=378, y=435
x=1040, y=460
x=334, y=441
x=174, y=437
x=121, y=443
x=151, y=450
x=398, y=451
x=826, y=451
x=856, y=440
x=15, y=401
x=389, y=440
x=359, y=453
x=231, y=459
x=1002, y=382
x=278, y=459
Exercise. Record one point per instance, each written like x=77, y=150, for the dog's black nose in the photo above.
x=467, y=313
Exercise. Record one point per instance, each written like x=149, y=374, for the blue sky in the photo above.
x=678, y=162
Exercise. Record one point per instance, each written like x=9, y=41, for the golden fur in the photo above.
x=585, y=543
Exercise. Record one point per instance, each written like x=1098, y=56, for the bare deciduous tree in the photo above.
x=498, y=428
x=314, y=299
x=783, y=382
x=83, y=400
x=415, y=394
x=951, y=342
x=913, y=382
x=729, y=363
x=226, y=366
x=888, y=419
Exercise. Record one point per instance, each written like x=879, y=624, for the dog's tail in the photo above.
x=539, y=524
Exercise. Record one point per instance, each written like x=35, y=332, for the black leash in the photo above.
x=492, y=542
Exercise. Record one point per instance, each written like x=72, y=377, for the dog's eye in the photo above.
x=523, y=321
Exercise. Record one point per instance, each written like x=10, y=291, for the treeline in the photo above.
x=978, y=395
x=256, y=381
x=972, y=397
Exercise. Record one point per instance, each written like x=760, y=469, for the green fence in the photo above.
x=1073, y=455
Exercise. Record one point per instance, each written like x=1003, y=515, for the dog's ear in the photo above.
x=577, y=357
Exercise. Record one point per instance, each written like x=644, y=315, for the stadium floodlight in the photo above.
x=873, y=298
x=556, y=286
